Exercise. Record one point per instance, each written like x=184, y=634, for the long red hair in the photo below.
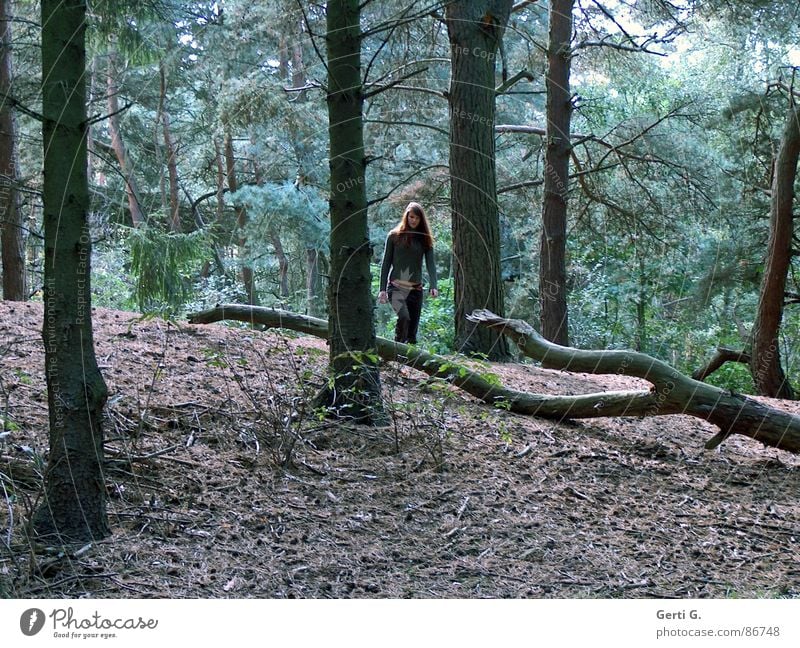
x=422, y=232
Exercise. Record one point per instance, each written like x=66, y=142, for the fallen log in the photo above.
x=481, y=385
x=672, y=392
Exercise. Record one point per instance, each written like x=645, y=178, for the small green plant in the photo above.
x=163, y=265
x=214, y=358
x=505, y=433
x=22, y=377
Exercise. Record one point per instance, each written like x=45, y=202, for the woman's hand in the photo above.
x=434, y=292
x=383, y=297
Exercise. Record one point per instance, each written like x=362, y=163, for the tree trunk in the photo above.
x=298, y=67
x=219, y=161
x=73, y=507
x=475, y=29
x=552, y=261
x=91, y=152
x=640, y=337
x=248, y=277
x=11, y=232
x=672, y=392
x=356, y=380
x=314, y=305
x=118, y=144
x=765, y=363
x=283, y=58
x=222, y=172
x=172, y=160
x=273, y=235
x=283, y=262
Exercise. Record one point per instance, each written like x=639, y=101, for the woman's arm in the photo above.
x=430, y=263
x=388, y=254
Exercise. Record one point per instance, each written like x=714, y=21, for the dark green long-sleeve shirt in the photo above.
x=405, y=262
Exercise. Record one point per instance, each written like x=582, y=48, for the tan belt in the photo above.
x=406, y=285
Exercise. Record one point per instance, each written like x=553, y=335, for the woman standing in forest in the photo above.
x=406, y=245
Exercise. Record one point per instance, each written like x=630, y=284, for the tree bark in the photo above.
x=73, y=507
x=765, y=365
x=283, y=262
x=248, y=277
x=314, y=305
x=672, y=392
x=91, y=149
x=283, y=58
x=554, y=317
x=172, y=159
x=475, y=30
x=298, y=67
x=219, y=160
x=356, y=380
x=273, y=235
x=11, y=233
x=118, y=145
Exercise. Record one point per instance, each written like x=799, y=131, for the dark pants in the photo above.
x=407, y=303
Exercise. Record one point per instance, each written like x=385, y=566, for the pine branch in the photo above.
x=388, y=122
x=99, y=118
x=392, y=84
x=23, y=108
x=404, y=181
x=519, y=76
x=311, y=35
x=393, y=24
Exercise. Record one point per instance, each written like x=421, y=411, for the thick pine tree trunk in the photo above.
x=283, y=262
x=283, y=57
x=11, y=233
x=356, y=391
x=475, y=29
x=765, y=365
x=73, y=507
x=552, y=260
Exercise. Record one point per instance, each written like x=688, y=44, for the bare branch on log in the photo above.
x=720, y=357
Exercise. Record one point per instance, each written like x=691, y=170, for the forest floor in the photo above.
x=453, y=499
